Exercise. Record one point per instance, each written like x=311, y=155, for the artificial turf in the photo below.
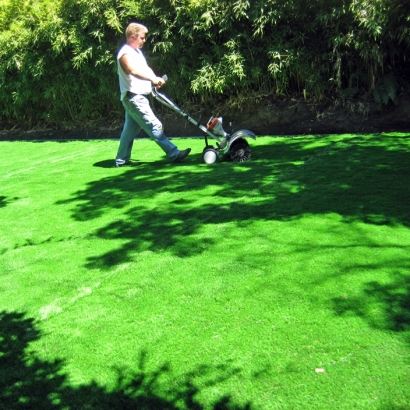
x=278, y=283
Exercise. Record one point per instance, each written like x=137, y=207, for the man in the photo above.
x=136, y=80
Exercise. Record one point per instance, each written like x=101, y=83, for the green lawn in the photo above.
x=278, y=283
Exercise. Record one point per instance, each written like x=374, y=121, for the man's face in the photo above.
x=140, y=39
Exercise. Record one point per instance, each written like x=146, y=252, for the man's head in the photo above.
x=136, y=34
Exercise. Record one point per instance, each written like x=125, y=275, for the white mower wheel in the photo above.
x=210, y=155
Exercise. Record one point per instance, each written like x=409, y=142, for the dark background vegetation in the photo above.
x=280, y=66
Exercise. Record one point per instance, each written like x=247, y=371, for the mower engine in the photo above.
x=215, y=125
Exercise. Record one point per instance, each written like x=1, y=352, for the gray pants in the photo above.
x=139, y=116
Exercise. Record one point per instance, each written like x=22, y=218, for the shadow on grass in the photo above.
x=383, y=306
x=108, y=163
x=365, y=178
x=27, y=382
x=4, y=201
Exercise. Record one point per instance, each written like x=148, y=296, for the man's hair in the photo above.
x=134, y=29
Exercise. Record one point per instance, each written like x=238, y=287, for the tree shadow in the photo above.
x=4, y=201
x=27, y=382
x=383, y=306
x=393, y=406
x=365, y=179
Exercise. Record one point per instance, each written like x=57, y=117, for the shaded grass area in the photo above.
x=290, y=179
x=35, y=383
x=282, y=282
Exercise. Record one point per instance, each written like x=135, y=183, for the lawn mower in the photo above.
x=232, y=147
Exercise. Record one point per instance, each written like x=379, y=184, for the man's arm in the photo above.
x=145, y=73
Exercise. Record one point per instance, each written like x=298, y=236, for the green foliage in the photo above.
x=225, y=71
x=57, y=58
x=56, y=64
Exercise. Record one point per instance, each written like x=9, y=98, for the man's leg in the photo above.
x=129, y=132
x=138, y=107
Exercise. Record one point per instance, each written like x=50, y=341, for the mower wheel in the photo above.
x=240, y=151
x=210, y=154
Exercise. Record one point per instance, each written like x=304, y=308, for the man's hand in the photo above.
x=158, y=82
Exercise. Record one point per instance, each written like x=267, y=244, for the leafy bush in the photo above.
x=56, y=65
x=57, y=58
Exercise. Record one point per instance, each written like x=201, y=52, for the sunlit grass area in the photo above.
x=278, y=283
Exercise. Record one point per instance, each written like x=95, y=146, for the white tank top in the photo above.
x=129, y=82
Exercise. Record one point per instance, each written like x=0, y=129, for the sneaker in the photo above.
x=182, y=154
x=123, y=163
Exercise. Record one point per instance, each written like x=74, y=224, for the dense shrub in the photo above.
x=57, y=57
